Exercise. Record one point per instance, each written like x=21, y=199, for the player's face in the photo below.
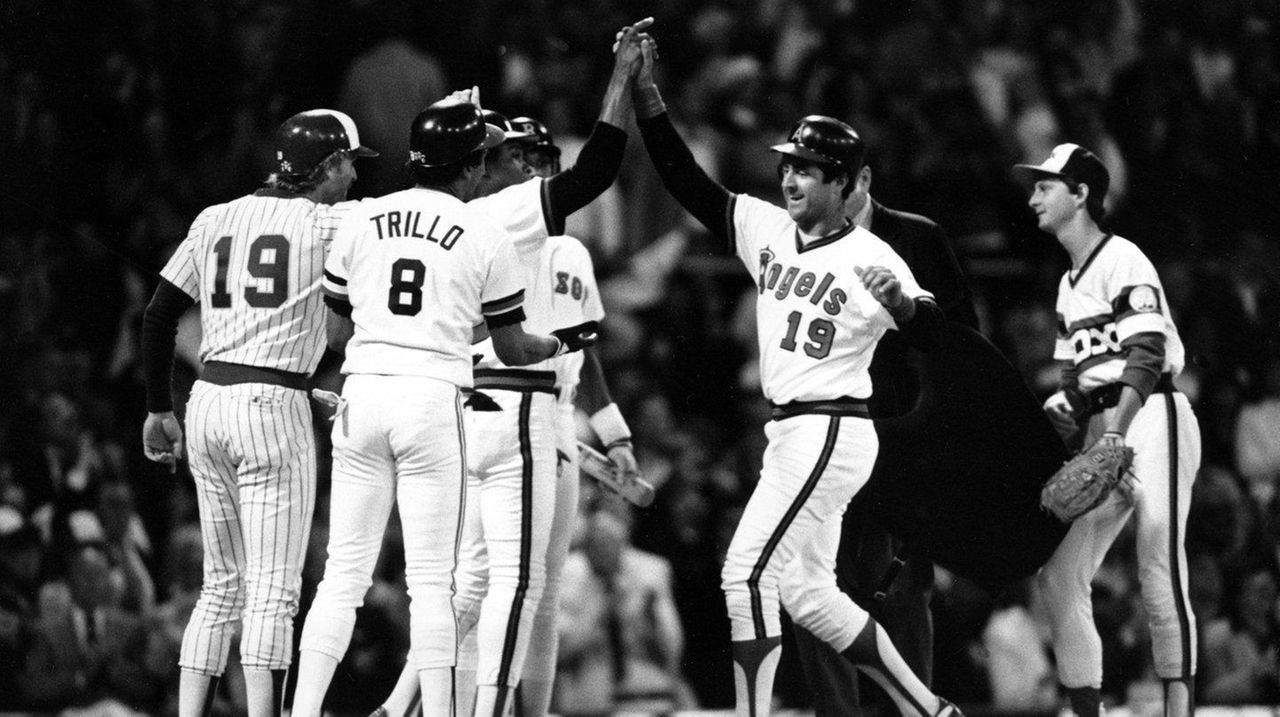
x=540, y=163
x=1054, y=204
x=504, y=167
x=341, y=175
x=810, y=200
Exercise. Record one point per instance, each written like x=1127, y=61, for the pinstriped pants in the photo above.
x=784, y=549
x=251, y=449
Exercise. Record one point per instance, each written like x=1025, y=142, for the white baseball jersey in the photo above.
x=560, y=291
x=1115, y=295
x=254, y=264
x=420, y=268
x=525, y=212
x=817, y=325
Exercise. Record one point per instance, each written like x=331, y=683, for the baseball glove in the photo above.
x=1086, y=480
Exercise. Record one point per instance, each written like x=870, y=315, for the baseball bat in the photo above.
x=598, y=466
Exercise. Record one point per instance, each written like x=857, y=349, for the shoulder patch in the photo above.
x=1144, y=298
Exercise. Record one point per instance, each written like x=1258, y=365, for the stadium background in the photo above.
x=120, y=120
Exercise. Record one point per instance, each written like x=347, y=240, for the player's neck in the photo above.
x=1080, y=238
x=824, y=226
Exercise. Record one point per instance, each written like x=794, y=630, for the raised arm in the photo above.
x=705, y=199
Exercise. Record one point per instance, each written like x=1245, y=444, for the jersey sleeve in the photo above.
x=753, y=223
x=525, y=212
x=337, y=266
x=895, y=263
x=183, y=268
x=1062, y=348
x=502, y=298
x=580, y=261
x=1136, y=296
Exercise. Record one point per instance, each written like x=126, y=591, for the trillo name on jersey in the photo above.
x=406, y=224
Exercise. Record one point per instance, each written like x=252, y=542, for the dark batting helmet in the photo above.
x=539, y=136
x=509, y=132
x=827, y=140
x=448, y=130
x=304, y=140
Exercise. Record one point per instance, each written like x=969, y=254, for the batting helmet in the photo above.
x=819, y=138
x=539, y=136
x=304, y=140
x=448, y=130
x=509, y=132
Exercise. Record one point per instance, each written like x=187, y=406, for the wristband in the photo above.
x=610, y=427
x=648, y=102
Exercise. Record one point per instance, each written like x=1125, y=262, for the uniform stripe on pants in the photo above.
x=1175, y=540
x=753, y=582
x=526, y=542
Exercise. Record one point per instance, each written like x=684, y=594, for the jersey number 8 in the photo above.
x=268, y=260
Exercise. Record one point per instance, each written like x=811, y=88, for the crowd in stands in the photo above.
x=120, y=120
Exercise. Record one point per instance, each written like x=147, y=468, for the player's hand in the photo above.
x=883, y=285
x=1061, y=414
x=627, y=48
x=162, y=439
x=624, y=460
x=576, y=338
x=472, y=95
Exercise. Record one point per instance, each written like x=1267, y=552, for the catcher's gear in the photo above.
x=304, y=140
x=1086, y=480
x=448, y=130
x=539, y=137
x=509, y=131
x=576, y=338
x=826, y=140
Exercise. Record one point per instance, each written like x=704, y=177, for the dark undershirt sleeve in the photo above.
x=596, y=168
x=1143, y=362
x=341, y=307
x=159, y=337
x=924, y=330
x=506, y=318
x=706, y=200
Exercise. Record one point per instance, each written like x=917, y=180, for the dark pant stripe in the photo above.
x=462, y=508
x=753, y=582
x=526, y=539
x=1175, y=539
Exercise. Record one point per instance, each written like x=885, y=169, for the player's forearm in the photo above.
x=521, y=349
x=338, y=328
x=706, y=200
x=1144, y=361
x=593, y=392
x=593, y=172
x=1118, y=421
x=616, y=104
x=159, y=339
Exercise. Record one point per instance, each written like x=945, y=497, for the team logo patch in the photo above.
x=766, y=256
x=1144, y=298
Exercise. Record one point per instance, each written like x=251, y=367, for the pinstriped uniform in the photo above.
x=418, y=268
x=254, y=265
x=818, y=328
x=1116, y=295
x=515, y=543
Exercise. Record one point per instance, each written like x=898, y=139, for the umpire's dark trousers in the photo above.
x=865, y=557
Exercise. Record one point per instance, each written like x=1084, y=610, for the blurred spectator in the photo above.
x=621, y=642
x=1239, y=664
x=21, y=563
x=1019, y=655
x=1257, y=435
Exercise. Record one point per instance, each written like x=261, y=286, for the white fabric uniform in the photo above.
x=1116, y=295
x=818, y=328
x=508, y=554
x=254, y=265
x=419, y=268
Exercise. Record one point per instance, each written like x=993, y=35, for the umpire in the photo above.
x=874, y=567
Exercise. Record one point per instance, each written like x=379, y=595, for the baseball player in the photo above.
x=1120, y=353
x=254, y=265
x=409, y=275
x=828, y=290
x=514, y=424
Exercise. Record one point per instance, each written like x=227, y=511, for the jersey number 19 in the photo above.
x=268, y=259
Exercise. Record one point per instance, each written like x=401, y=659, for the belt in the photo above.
x=516, y=379
x=220, y=373
x=843, y=406
x=1100, y=399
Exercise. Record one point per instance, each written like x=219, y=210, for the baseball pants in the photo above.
x=403, y=438
x=813, y=466
x=511, y=500
x=251, y=450
x=1165, y=438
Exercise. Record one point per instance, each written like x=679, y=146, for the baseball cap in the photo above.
x=509, y=130
x=1073, y=162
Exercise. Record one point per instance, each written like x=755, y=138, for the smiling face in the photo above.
x=504, y=167
x=811, y=200
x=1054, y=203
